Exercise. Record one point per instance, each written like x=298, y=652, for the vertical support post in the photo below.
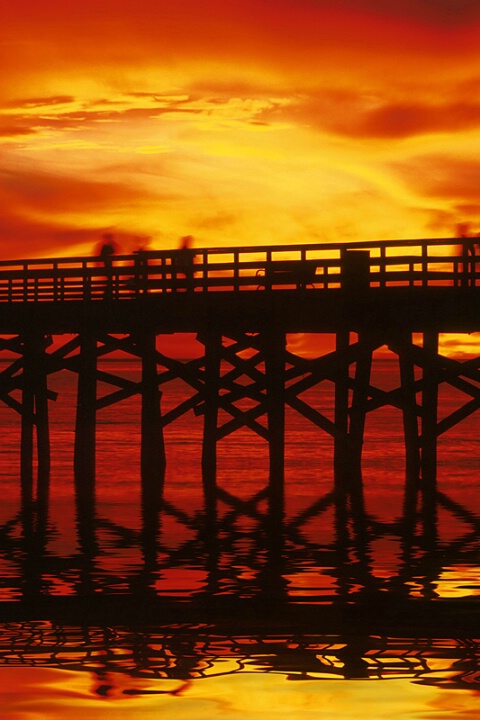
x=152, y=454
x=429, y=435
x=84, y=459
x=27, y=426
x=275, y=385
x=356, y=436
x=43, y=432
x=341, y=440
x=359, y=405
x=34, y=414
x=410, y=423
x=213, y=349
x=85, y=426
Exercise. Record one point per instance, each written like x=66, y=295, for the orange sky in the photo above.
x=237, y=122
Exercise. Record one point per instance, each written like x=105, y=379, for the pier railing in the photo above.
x=409, y=263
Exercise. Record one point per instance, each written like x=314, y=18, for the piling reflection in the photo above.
x=182, y=653
x=245, y=553
x=242, y=591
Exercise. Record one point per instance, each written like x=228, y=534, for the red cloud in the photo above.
x=12, y=131
x=406, y=119
x=356, y=115
x=443, y=177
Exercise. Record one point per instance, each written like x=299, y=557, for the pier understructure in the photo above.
x=243, y=305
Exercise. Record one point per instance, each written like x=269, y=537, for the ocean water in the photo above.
x=182, y=617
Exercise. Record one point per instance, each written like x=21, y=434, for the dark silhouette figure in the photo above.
x=184, y=260
x=107, y=251
x=140, y=282
x=469, y=251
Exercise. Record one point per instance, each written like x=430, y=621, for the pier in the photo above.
x=242, y=303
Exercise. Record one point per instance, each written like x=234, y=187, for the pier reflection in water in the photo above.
x=159, y=601
x=332, y=552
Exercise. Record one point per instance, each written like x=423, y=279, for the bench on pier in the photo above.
x=300, y=273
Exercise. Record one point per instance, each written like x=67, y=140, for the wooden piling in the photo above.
x=274, y=343
x=34, y=418
x=429, y=435
x=359, y=408
x=410, y=422
x=27, y=424
x=152, y=453
x=85, y=425
x=341, y=440
x=42, y=423
x=213, y=350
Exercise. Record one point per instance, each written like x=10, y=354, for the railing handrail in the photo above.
x=320, y=265
x=250, y=249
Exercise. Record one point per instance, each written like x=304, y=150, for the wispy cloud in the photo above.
x=246, y=121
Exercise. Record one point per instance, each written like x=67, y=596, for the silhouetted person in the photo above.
x=141, y=270
x=469, y=252
x=106, y=253
x=184, y=261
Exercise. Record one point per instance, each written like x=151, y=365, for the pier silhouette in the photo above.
x=69, y=314
x=241, y=303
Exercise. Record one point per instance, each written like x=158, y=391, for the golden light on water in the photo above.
x=35, y=694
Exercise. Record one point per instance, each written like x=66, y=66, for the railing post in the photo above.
x=268, y=270
x=236, y=270
x=424, y=264
x=382, y=268
x=87, y=282
x=468, y=263
x=25, y=282
x=55, y=281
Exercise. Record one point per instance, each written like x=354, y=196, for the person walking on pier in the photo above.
x=184, y=261
x=106, y=252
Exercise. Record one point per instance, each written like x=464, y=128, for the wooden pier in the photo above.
x=242, y=303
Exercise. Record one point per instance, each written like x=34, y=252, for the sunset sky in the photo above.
x=238, y=122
